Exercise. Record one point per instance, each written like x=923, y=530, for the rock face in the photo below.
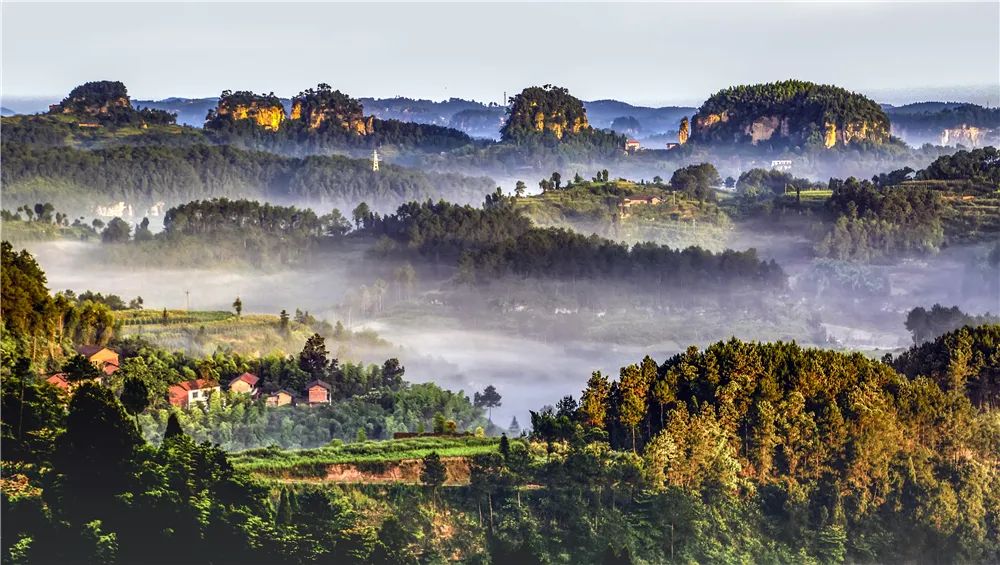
x=969, y=136
x=546, y=109
x=266, y=111
x=325, y=106
x=788, y=114
x=95, y=99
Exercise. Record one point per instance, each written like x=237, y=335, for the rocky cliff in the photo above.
x=94, y=99
x=325, y=107
x=547, y=109
x=789, y=113
x=969, y=136
x=264, y=110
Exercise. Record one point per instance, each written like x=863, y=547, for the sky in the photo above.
x=645, y=53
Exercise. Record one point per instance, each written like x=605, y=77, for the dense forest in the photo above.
x=789, y=114
x=737, y=452
x=142, y=176
x=497, y=240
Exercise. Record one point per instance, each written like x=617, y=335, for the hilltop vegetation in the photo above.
x=789, y=114
x=596, y=206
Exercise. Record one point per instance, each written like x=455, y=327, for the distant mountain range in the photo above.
x=916, y=122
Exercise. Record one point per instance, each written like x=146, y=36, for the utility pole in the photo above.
x=187, y=300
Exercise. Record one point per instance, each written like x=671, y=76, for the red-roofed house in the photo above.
x=188, y=392
x=59, y=380
x=245, y=383
x=632, y=146
x=318, y=392
x=103, y=358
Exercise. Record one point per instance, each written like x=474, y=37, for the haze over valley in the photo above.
x=421, y=283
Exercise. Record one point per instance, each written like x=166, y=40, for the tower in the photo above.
x=375, y=160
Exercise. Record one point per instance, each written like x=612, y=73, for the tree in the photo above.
x=173, y=427
x=79, y=368
x=361, y=215
x=657, y=179
x=94, y=457
x=142, y=232
x=118, y=231
x=489, y=399
x=594, y=400
x=238, y=306
x=683, y=131
x=439, y=423
x=135, y=396
x=633, y=404
x=313, y=358
x=697, y=181
x=519, y=188
x=392, y=374
x=434, y=473
x=282, y=322
x=556, y=180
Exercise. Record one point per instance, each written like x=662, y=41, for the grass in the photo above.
x=313, y=462
x=591, y=207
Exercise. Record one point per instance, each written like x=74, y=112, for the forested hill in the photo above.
x=789, y=114
x=143, y=176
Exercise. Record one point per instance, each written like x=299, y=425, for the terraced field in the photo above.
x=367, y=461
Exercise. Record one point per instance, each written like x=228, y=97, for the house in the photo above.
x=318, y=392
x=280, y=398
x=184, y=394
x=632, y=145
x=781, y=164
x=672, y=146
x=59, y=380
x=245, y=383
x=103, y=358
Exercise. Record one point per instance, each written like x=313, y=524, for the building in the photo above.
x=184, y=394
x=318, y=392
x=672, y=146
x=103, y=358
x=59, y=380
x=632, y=145
x=280, y=398
x=781, y=164
x=245, y=384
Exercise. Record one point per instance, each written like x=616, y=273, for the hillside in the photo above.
x=789, y=114
x=630, y=212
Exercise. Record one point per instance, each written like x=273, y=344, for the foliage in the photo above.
x=926, y=325
x=978, y=165
x=802, y=110
x=697, y=181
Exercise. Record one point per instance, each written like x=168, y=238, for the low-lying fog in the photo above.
x=467, y=354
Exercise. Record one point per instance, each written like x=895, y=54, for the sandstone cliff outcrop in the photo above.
x=323, y=106
x=94, y=99
x=546, y=109
x=968, y=136
x=264, y=110
x=789, y=113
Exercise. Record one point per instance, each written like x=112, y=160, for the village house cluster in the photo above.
x=186, y=393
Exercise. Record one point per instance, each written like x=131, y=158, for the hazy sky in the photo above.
x=641, y=53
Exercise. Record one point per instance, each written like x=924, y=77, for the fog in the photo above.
x=539, y=340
